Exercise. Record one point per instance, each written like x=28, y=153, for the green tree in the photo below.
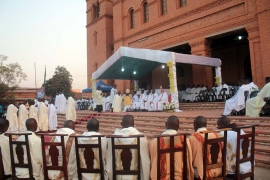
x=10, y=77
x=60, y=82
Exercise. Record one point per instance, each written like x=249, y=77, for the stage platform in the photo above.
x=152, y=123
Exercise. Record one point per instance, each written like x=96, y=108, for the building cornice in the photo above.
x=98, y=19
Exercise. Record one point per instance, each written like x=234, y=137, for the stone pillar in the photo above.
x=202, y=74
x=255, y=54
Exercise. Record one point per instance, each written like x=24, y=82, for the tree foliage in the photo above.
x=10, y=77
x=60, y=82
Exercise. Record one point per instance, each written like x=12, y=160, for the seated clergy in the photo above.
x=192, y=94
x=153, y=97
x=127, y=102
x=4, y=145
x=128, y=129
x=161, y=101
x=197, y=143
x=172, y=126
x=136, y=100
x=224, y=122
x=186, y=93
x=143, y=99
x=35, y=152
x=144, y=104
x=69, y=127
x=255, y=104
x=237, y=102
x=93, y=127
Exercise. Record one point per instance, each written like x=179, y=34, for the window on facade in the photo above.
x=96, y=11
x=163, y=7
x=132, y=19
x=183, y=3
x=146, y=12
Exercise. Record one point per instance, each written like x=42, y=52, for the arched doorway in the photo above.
x=247, y=67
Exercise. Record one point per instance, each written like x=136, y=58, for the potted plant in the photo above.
x=169, y=107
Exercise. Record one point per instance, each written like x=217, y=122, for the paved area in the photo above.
x=262, y=173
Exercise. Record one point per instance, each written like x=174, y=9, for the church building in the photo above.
x=235, y=31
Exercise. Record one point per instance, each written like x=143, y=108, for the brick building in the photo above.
x=236, y=31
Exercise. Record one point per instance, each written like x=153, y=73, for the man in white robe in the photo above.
x=33, y=111
x=52, y=114
x=162, y=100
x=137, y=101
x=128, y=129
x=117, y=103
x=35, y=152
x=254, y=105
x=12, y=118
x=144, y=100
x=237, y=102
x=23, y=115
x=224, y=122
x=4, y=145
x=69, y=127
x=62, y=103
x=57, y=103
x=195, y=97
x=186, y=93
x=43, y=116
x=70, y=110
x=112, y=94
x=93, y=128
x=172, y=126
x=106, y=106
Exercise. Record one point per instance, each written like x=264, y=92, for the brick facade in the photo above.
x=193, y=24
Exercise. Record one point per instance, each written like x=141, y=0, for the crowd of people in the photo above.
x=148, y=151
x=43, y=111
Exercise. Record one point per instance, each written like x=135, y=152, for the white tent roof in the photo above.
x=143, y=61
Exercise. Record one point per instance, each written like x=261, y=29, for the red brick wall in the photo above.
x=196, y=21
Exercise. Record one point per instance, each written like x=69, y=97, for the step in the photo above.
x=262, y=158
x=262, y=148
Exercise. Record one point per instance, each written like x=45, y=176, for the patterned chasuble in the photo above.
x=163, y=160
x=200, y=138
x=68, y=147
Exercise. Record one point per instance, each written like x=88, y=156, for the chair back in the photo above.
x=89, y=156
x=126, y=156
x=216, y=144
x=254, y=94
x=54, y=153
x=20, y=154
x=2, y=172
x=248, y=142
x=172, y=150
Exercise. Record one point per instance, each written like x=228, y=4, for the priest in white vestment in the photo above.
x=186, y=93
x=71, y=110
x=162, y=100
x=237, y=102
x=112, y=94
x=117, y=103
x=153, y=97
x=254, y=105
x=57, y=103
x=128, y=129
x=35, y=152
x=43, y=116
x=192, y=93
x=69, y=127
x=224, y=122
x=4, y=145
x=172, y=126
x=23, y=115
x=106, y=104
x=12, y=118
x=52, y=116
x=136, y=100
x=62, y=103
x=93, y=128
x=144, y=100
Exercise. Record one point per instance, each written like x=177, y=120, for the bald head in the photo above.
x=69, y=124
x=172, y=123
x=127, y=121
x=4, y=124
x=199, y=122
x=93, y=125
x=31, y=124
x=223, y=122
